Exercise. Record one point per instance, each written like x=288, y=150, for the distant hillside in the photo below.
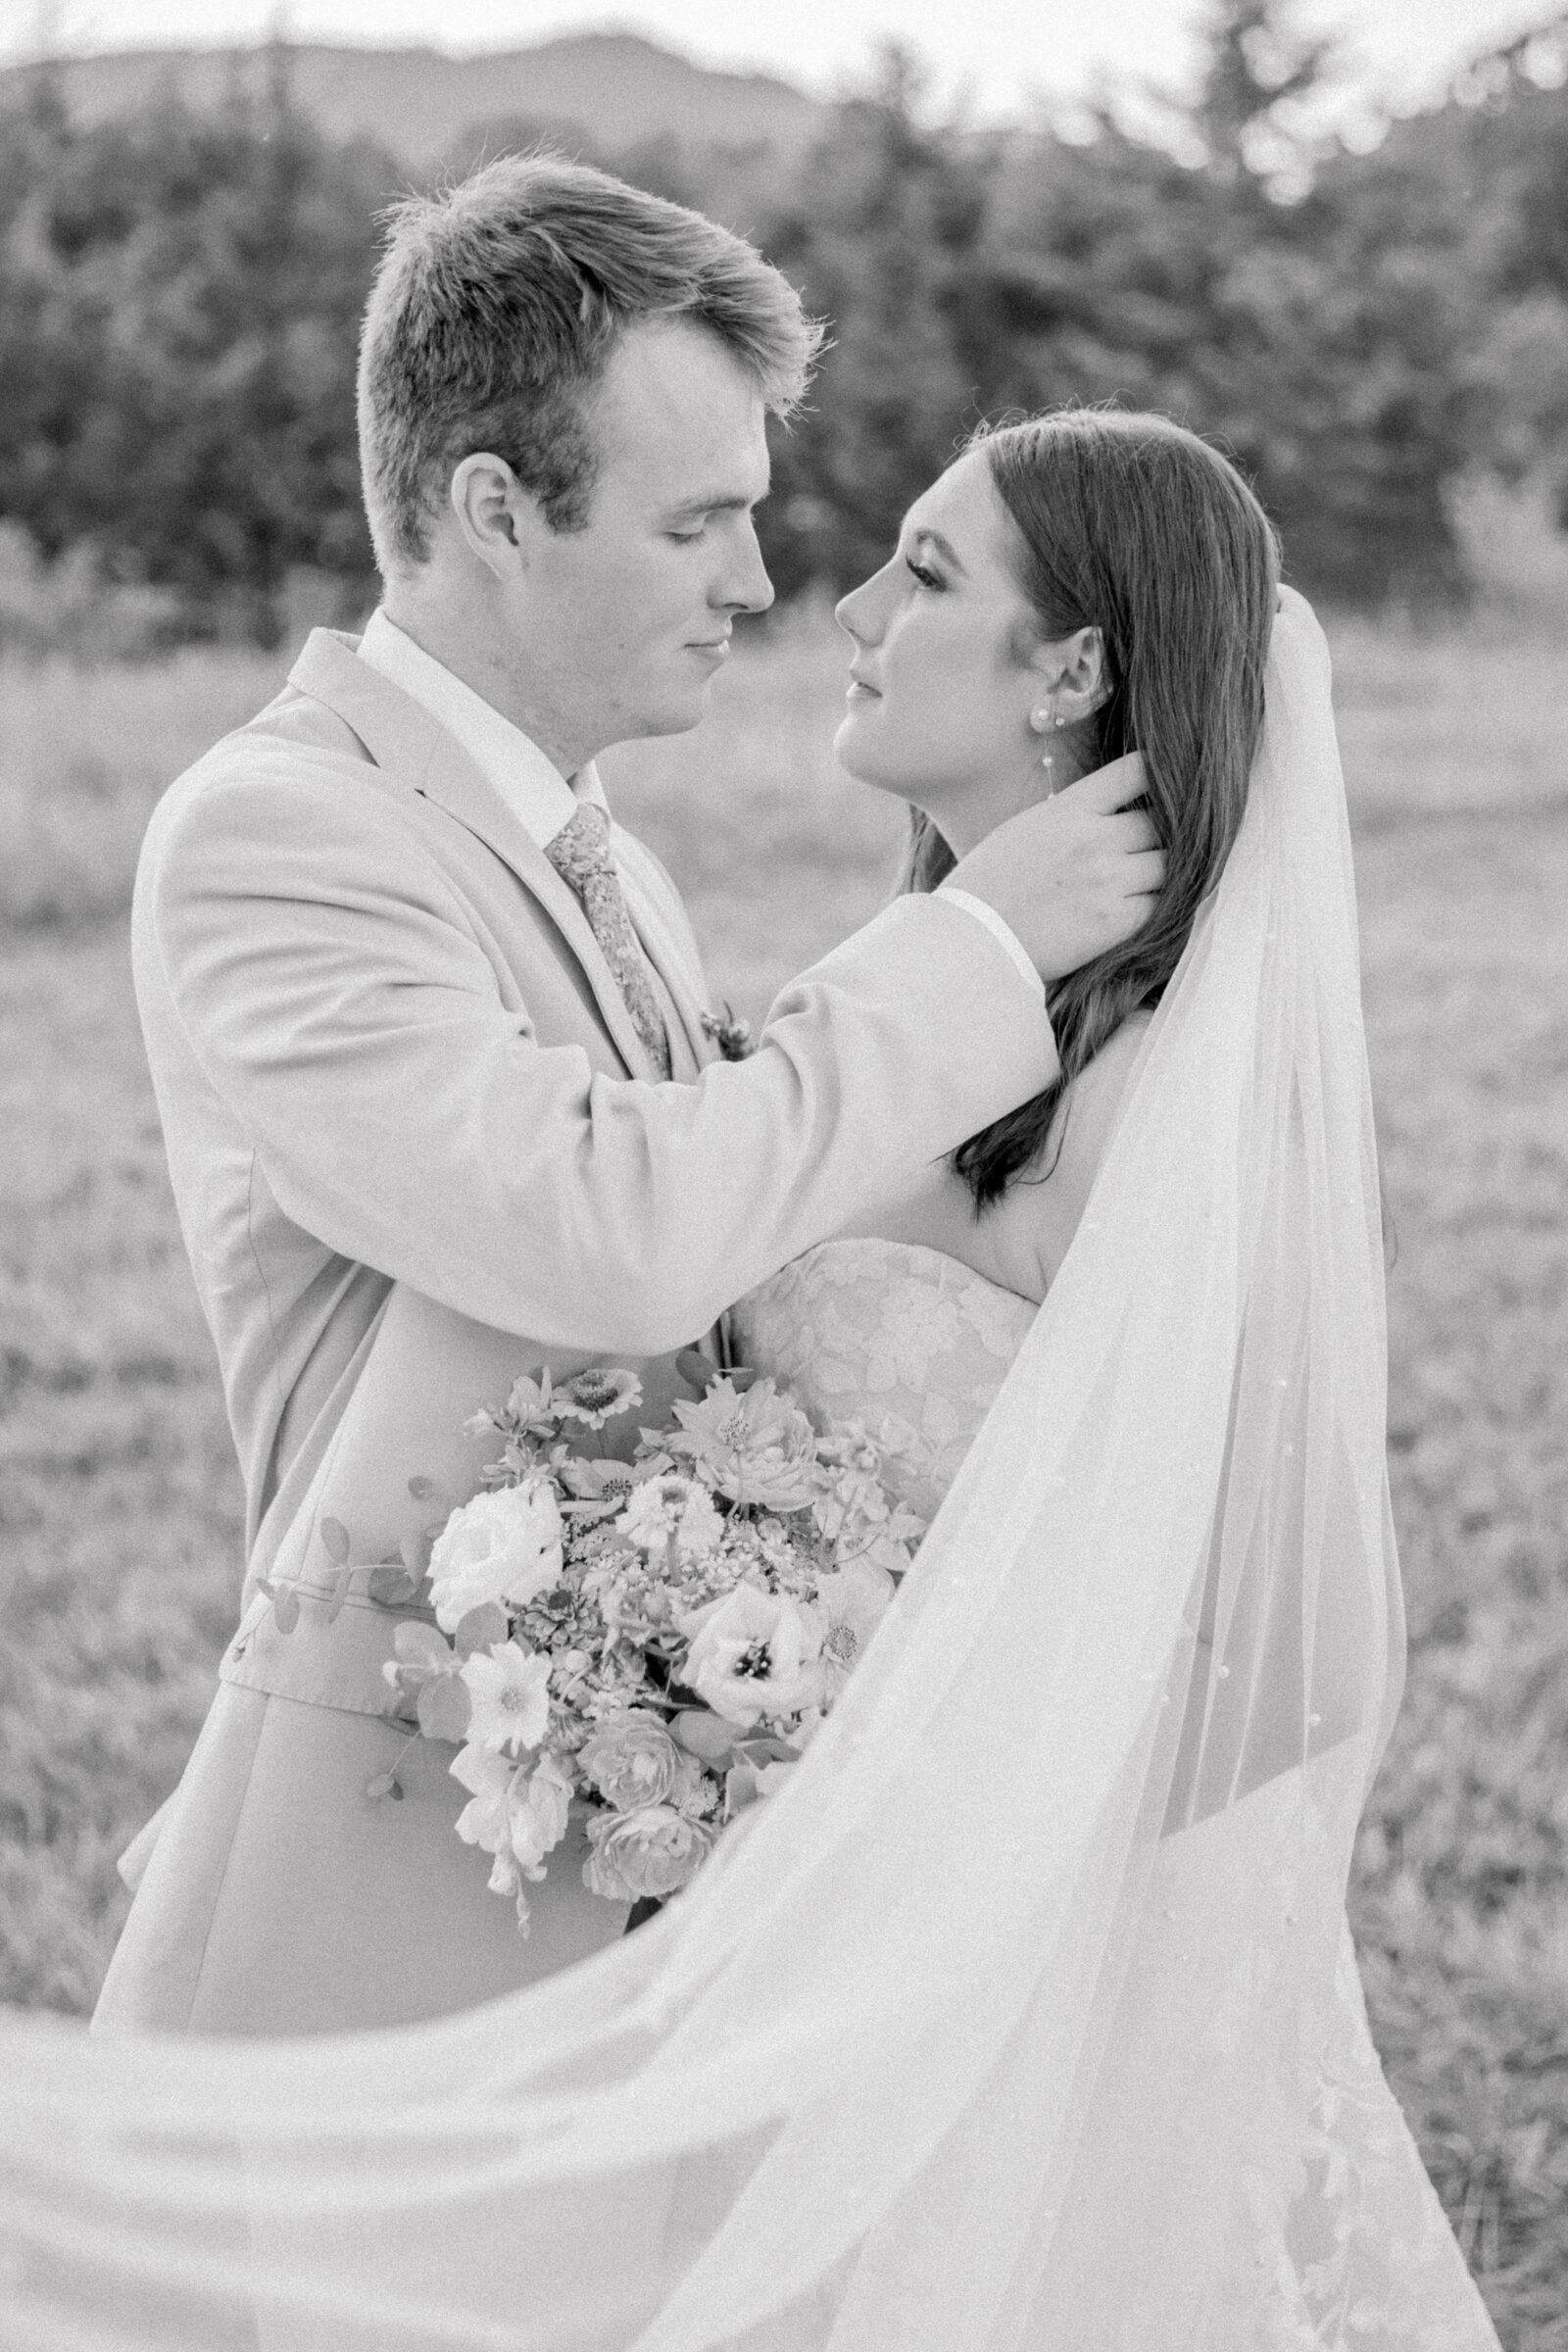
x=614, y=90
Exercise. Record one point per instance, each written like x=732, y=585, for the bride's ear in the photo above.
x=1071, y=677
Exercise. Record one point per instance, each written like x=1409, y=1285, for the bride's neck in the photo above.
x=971, y=813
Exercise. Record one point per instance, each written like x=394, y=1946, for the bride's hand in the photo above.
x=1075, y=875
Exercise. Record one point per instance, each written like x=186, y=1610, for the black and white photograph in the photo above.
x=783, y=1176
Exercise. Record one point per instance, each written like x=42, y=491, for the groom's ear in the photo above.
x=498, y=518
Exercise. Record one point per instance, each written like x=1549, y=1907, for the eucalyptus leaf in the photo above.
x=445, y=1707
x=286, y=1608
x=480, y=1629
x=336, y=1538
x=391, y=1585
x=385, y=1783
x=340, y=1593
x=703, y=1733
x=421, y=1488
x=414, y=1553
x=424, y=1645
x=693, y=1365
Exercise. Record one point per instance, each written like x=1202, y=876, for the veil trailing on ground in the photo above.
x=1022, y=2016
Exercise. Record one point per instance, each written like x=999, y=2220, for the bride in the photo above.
x=1025, y=2015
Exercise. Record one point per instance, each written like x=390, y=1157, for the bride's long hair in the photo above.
x=1132, y=524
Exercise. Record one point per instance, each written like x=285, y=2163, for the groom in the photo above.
x=416, y=1012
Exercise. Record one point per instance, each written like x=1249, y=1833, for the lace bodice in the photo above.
x=910, y=1341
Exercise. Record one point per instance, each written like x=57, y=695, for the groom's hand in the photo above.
x=1075, y=875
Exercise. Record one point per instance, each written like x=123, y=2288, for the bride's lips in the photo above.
x=718, y=648
x=858, y=687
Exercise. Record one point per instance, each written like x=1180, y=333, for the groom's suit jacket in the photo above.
x=387, y=1048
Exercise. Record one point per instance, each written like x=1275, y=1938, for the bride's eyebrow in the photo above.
x=924, y=537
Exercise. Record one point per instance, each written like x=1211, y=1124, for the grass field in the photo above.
x=120, y=1507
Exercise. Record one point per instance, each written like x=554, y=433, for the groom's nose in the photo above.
x=744, y=586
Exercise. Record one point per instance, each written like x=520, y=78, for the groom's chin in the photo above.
x=677, y=717
x=674, y=711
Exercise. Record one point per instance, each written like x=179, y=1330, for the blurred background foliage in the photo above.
x=1367, y=332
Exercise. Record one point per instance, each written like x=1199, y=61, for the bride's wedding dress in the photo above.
x=915, y=1345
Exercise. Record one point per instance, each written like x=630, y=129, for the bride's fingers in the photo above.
x=1145, y=874
x=1111, y=787
x=1134, y=830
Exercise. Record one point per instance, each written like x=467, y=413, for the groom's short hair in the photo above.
x=495, y=311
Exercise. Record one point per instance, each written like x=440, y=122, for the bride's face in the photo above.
x=946, y=674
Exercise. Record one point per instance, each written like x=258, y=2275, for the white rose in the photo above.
x=502, y=1547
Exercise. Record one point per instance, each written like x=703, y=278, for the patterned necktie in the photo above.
x=580, y=855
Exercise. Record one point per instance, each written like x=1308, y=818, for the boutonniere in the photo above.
x=732, y=1037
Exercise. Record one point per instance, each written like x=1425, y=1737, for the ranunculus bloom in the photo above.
x=510, y=1690
x=503, y=1546
x=751, y=1655
x=632, y=1760
x=649, y=1852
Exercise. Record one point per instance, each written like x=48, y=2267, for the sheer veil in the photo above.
x=1023, y=2017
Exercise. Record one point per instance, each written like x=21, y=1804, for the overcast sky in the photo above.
x=1000, y=49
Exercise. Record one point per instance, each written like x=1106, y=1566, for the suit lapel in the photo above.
x=402, y=738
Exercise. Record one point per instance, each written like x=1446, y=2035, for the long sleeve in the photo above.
x=336, y=990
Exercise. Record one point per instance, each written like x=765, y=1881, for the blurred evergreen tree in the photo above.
x=878, y=233
x=1307, y=323
x=179, y=298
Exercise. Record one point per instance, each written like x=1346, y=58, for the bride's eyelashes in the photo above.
x=926, y=577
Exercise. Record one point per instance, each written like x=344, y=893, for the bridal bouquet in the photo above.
x=654, y=1641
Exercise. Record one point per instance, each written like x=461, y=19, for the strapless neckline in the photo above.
x=907, y=1340
x=918, y=1254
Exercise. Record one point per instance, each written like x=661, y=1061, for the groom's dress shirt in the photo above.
x=531, y=785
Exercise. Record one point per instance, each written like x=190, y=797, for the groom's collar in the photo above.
x=537, y=791
x=411, y=746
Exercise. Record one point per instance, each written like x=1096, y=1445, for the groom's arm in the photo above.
x=329, y=982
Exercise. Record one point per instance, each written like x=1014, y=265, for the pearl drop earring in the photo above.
x=1041, y=720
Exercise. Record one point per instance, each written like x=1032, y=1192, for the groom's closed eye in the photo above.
x=690, y=521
